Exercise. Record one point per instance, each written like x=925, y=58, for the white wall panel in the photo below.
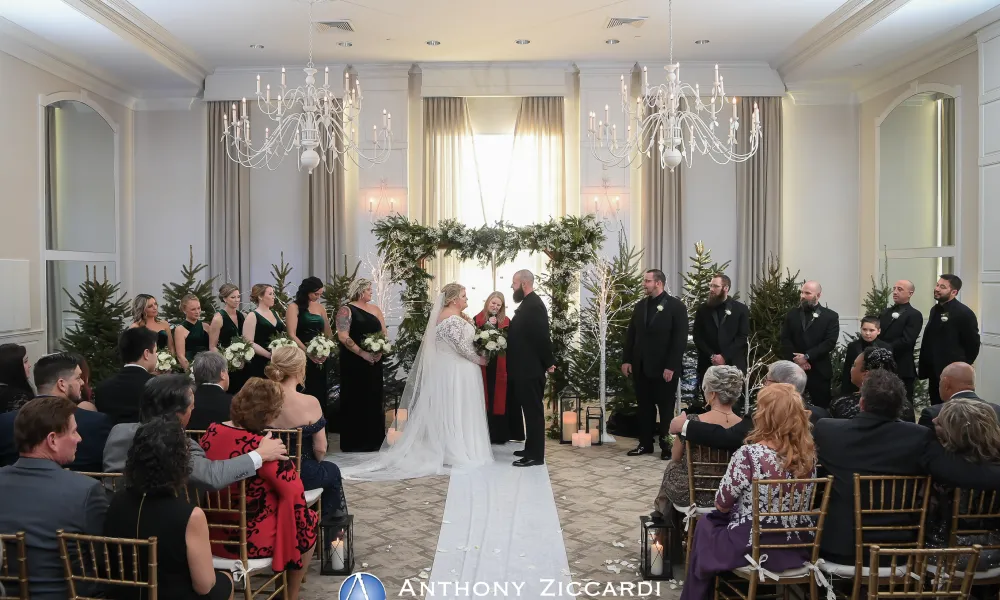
x=15, y=302
x=988, y=363
x=709, y=210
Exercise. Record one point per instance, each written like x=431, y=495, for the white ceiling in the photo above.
x=167, y=47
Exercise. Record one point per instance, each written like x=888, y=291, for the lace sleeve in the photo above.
x=452, y=331
x=736, y=481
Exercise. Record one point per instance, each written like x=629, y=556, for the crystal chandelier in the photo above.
x=313, y=121
x=673, y=117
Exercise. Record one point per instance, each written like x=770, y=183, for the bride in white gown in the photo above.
x=443, y=403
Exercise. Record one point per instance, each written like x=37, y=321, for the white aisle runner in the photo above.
x=500, y=531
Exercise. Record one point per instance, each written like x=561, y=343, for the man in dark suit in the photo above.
x=869, y=337
x=59, y=375
x=40, y=497
x=876, y=443
x=958, y=380
x=951, y=335
x=529, y=358
x=808, y=335
x=900, y=327
x=721, y=328
x=653, y=356
x=118, y=395
x=211, y=398
x=717, y=436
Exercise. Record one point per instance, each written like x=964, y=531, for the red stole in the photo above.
x=500, y=385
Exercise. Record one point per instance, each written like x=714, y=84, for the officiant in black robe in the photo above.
x=721, y=329
x=653, y=356
x=808, y=336
x=952, y=335
x=900, y=327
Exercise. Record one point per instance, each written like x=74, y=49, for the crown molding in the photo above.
x=39, y=52
x=132, y=25
x=822, y=94
x=896, y=75
x=165, y=104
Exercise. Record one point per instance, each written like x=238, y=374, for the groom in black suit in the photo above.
x=653, y=356
x=721, y=329
x=529, y=358
x=951, y=335
x=808, y=335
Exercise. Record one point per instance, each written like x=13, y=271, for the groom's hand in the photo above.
x=626, y=369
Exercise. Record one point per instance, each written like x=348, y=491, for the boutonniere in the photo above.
x=895, y=315
x=944, y=317
x=659, y=308
x=815, y=314
x=728, y=312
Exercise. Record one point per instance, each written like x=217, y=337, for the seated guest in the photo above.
x=970, y=429
x=870, y=331
x=118, y=395
x=279, y=525
x=876, y=443
x=39, y=497
x=722, y=386
x=14, y=372
x=172, y=396
x=211, y=399
x=151, y=505
x=715, y=436
x=872, y=358
x=958, y=380
x=779, y=447
x=59, y=375
x=301, y=411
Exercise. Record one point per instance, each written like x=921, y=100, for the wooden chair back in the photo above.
x=975, y=512
x=705, y=469
x=919, y=573
x=805, y=499
x=291, y=437
x=112, y=482
x=13, y=567
x=106, y=561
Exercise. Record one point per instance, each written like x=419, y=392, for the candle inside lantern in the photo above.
x=656, y=559
x=595, y=435
x=569, y=425
x=401, y=417
x=392, y=435
x=337, y=555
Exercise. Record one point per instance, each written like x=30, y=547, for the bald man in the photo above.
x=901, y=324
x=958, y=380
x=808, y=335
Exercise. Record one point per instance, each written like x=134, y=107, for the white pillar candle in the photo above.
x=569, y=425
x=595, y=435
x=401, y=415
x=584, y=439
x=392, y=435
x=576, y=440
x=656, y=559
x=337, y=555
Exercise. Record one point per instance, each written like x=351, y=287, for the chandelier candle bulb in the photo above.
x=607, y=114
x=347, y=82
x=268, y=98
x=384, y=120
x=388, y=122
x=243, y=108
x=282, y=76
x=645, y=77
x=326, y=77
x=258, y=84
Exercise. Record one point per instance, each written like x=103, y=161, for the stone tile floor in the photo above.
x=599, y=493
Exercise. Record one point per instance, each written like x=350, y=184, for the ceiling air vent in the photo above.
x=619, y=21
x=339, y=24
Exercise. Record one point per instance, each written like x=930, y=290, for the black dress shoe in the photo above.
x=639, y=450
x=528, y=462
x=518, y=452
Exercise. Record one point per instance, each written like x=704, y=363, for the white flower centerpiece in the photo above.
x=280, y=341
x=490, y=341
x=165, y=361
x=320, y=347
x=377, y=343
x=238, y=353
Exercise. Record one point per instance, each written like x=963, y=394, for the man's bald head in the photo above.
x=902, y=291
x=957, y=377
x=809, y=294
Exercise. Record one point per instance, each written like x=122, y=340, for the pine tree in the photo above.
x=280, y=273
x=102, y=313
x=337, y=289
x=190, y=284
x=772, y=295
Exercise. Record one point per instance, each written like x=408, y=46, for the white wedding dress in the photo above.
x=445, y=408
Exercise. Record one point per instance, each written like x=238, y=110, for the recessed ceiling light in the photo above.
x=611, y=42
x=345, y=44
x=522, y=42
x=257, y=46
x=858, y=65
x=701, y=42
x=433, y=43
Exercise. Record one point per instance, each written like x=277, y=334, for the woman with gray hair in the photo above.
x=722, y=385
x=363, y=422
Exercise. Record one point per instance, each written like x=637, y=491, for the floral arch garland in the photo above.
x=570, y=243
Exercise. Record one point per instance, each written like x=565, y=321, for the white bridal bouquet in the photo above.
x=377, y=343
x=279, y=341
x=238, y=353
x=165, y=361
x=320, y=347
x=490, y=341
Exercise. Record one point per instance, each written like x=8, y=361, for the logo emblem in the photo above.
x=362, y=586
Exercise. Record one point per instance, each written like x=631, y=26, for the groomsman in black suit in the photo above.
x=721, y=328
x=653, y=356
x=901, y=324
x=808, y=335
x=951, y=335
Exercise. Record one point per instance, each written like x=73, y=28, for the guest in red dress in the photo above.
x=495, y=373
x=279, y=525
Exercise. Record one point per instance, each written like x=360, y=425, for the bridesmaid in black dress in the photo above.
x=191, y=336
x=146, y=313
x=360, y=372
x=226, y=325
x=306, y=319
x=260, y=327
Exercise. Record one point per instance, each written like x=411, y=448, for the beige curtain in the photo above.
x=538, y=162
x=662, y=219
x=228, y=208
x=758, y=192
x=327, y=214
x=447, y=178
x=946, y=137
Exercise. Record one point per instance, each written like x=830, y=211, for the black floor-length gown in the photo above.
x=263, y=333
x=309, y=326
x=229, y=331
x=362, y=416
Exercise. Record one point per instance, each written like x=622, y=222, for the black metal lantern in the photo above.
x=569, y=420
x=337, y=539
x=657, y=541
x=595, y=424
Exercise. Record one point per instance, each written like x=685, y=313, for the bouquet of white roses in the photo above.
x=238, y=353
x=377, y=343
x=320, y=347
x=280, y=341
x=490, y=341
x=165, y=361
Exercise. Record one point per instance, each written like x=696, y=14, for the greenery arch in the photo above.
x=570, y=243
